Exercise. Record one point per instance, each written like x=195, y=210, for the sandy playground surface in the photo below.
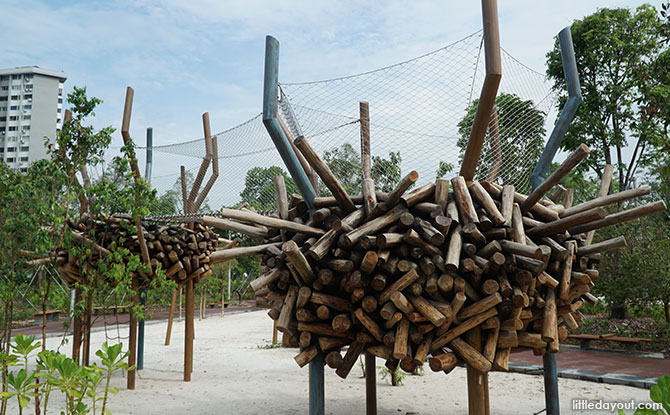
x=232, y=375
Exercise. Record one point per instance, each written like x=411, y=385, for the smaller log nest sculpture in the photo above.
x=410, y=274
x=183, y=253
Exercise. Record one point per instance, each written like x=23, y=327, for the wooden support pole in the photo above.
x=607, y=200
x=132, y=338
x=173, y=305
x=489, y=89
x=189, y=334
x=608, y=245
x=616, y=218
x=370, y=385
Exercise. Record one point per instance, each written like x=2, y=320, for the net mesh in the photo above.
x=421, y=114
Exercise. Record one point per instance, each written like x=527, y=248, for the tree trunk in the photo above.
x=619, y=311
x=666, y=308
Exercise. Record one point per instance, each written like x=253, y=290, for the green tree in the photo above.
x=615, y=49
x=345, y=163
x=259, y=190
x=171, y=201
x=521, y=132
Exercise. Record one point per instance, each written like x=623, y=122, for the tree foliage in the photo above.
x=259, y=190
x=521, y=132
x=616, y=51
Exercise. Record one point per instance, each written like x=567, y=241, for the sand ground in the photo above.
x=232, y=375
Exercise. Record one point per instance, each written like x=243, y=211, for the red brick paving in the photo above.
x=601, y=362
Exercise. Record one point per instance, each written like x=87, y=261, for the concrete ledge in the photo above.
x=589, y=376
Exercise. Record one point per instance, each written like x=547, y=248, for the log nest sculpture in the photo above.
x=415, y=274
x=182, y=252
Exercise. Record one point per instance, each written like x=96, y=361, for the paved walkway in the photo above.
x=597, y=366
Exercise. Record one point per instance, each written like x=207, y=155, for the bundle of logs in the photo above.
x=408, y=276
x=183, y=253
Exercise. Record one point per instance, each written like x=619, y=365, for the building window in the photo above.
x=14, y=107
x=25, y=127
x=11, y=149
x=16, y=87
x=4, y=77
x=60, y=100
x=29, y=106
x=16, y=76
x=2, y=150
x=3, y=119
x=14, y=97
x=3, y=109
x=23, y=159
x=4, y=88
x=11, y=159
x=23, y=170
x=25, y=148
x=3, y=98
x=28, y=96
x=26, y=117
x=12, y=128
x=13, y=118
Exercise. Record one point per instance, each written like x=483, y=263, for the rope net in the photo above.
x=421, y=113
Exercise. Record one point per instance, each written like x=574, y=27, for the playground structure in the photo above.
x=481, y=269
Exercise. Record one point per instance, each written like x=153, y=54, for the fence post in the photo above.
x=568, y=111
x=271, y=122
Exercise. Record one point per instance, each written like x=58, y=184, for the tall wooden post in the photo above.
x=86, y=349
x=489, y=89
x=477, y=381
x=76, y=327
x=132, y=338
x=188, y=337
x=173, y=304
x=370, y=385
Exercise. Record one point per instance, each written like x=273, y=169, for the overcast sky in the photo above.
x=187, y=57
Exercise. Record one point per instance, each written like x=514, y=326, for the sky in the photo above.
x=184, y=58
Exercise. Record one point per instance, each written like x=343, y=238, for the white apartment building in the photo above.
x=31, y=111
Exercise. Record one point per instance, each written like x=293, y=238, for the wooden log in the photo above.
x=402, y=303
x=507, y=339
x=554, y=178
x=490, y=287
x=336, y=303
x=521, y=249
x=424, y=307
x=507, y=203
x=546, y=279
x=484, y=199
x=326, y=175
x=394, y=197
x=558, y=251
x=369, y=195
x=501, y=362
x=452, y=259
x=228, y=254
x=399, y=285
x=265, y=279
x=491, y=343
x=549, y=322
x=604, y=246
x=393, y=320
x=322, y=329
x=489, y=249
x=443, y=362
x=341, y=323
x=620, y=217
x=234, y=226
x=369, y=262
x=535, y=266
x=532, y=340
x=350, y=358
x=480, y=306
x=466, y=207
x=255, y=218
x=415, y=240
x=334, y=360
x=298, y=260
x=369, y=304
x=369, y=324
x=442, y=194
x=374, y=225
x=470, y=355
x=388, y=310
x=323, y=245
x=401, y=339
x=428, y=232
x=607, y=200
x=445, y=283
x=286, y=315
x=462, y=328
x=304, y=294
x=418, y=195
x=517, y=229
x=306, y=356
x=566, y=272
x=561, y=225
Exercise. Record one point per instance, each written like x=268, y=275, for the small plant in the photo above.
x=397, y=376
x=269, y=346
x=79, y=385
x=419, y=371
x=659, y=393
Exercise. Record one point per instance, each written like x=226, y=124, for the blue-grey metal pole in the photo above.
x=568, y=112
x=270, y=105
x=317, y=393
x=317, y=399
x=540, y=172
x=143, y=292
